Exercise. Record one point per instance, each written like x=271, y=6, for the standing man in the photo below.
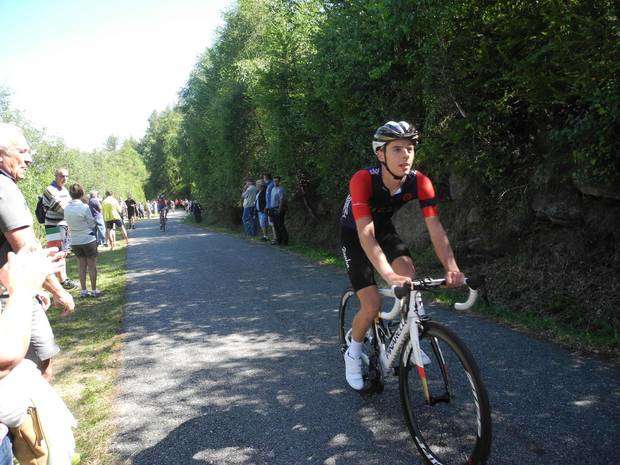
x=268, y=180
x=131, y=211
x=94, y=203
x=16, y=233
x=249, y=198
x=55, y=198
x=112, y=218
x=278, y=208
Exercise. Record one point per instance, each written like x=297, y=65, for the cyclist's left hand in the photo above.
x=454, y=278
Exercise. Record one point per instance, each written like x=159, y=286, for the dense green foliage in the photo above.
x=516, y=99
x=504, y=91
x=119, y=169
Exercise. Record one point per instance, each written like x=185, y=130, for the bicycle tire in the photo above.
x=457, y=428
x=346, y=312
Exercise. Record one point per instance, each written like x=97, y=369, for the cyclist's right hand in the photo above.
x=394, y=279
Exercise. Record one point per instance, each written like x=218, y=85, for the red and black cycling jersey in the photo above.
x=368, y=196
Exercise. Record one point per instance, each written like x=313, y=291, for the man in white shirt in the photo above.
x=55, y=199
x=249, y=198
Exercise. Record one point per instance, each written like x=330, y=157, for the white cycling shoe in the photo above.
x=353, y=367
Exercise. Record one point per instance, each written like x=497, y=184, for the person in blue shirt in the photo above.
x=268, y=181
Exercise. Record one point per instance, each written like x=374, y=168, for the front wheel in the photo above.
x=452, y=426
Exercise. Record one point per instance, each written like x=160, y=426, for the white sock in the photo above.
x=355, y=349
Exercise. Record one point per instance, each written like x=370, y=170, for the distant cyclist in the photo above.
x=368, y=237
x=162, y=205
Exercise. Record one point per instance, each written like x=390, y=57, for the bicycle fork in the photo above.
x=414, y=337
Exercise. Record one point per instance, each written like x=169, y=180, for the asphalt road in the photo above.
x=231, y=358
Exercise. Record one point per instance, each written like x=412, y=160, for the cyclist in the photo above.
x=369, y=239
x=162, y=205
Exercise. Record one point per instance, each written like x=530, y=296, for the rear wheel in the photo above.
x=455, y=426
x=373, y=377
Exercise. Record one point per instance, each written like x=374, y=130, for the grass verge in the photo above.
x=540, y=326
x=87, y=368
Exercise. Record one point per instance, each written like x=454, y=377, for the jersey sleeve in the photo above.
x=360, y=188
x=426, y=196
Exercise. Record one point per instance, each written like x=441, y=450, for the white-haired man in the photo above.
x=16, y=233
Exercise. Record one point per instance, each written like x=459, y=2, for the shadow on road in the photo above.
x=231, y=357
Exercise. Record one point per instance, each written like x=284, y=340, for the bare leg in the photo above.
x=111, y=237
x=47, y=370
x=82, y=271
x=370, y=303
x=91, y=262
x=124, y=233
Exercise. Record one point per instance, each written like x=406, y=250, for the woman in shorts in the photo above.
x=83, y=239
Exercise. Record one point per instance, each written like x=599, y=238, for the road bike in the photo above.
x=445, y=403
x=162, y=220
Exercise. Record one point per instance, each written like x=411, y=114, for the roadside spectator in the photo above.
x=22, y=275
x=278, y=209
x=123, y=210
x=16, y=233
x=261, y=207
x=55, y=198
x=83, y=240
x=268, y=180
x=131, y=212
x=249, y=200
x=112, y=218
x=94, y=203
x=197, y=211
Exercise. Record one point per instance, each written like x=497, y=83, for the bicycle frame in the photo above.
x=412, y=320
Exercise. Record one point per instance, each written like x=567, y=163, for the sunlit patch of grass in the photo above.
x=87, y=368
x=320, y=256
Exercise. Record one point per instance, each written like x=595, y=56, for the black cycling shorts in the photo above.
x=360, y=270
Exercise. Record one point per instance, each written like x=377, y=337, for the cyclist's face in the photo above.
x=399, y=155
